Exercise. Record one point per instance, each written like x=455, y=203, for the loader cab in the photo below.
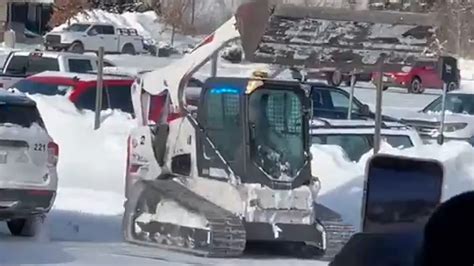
x=257, y=128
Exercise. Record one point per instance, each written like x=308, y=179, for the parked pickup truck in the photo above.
x=81, y=37
x=20, y=65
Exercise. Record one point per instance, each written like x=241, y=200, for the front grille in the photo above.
x=53, y=39
x=424, y=128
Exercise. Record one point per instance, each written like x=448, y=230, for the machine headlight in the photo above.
x=451, y=127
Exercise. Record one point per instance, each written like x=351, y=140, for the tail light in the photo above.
x=53, y=153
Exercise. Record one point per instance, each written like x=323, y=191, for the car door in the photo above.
x=429, y=76
x=93, y=40
x=109, y=38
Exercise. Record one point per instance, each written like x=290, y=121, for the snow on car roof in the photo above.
x=52, y=54
x=15, y=98
x=319, y=122
x=80, y=76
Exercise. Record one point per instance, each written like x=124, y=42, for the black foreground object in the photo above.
x=446, y=240
x=401, y=195
x=449, y=233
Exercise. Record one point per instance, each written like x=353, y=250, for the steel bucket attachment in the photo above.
x=348, y=40
x=400, y=196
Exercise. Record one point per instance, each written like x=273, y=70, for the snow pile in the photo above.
x=91, y=169
x=467, y=68
x=342, y=181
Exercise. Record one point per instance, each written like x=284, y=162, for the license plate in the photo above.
x=3, y=158
x=385, y=79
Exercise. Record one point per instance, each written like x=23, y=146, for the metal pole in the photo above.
x=351, y=97
x=98, y=96
x=443, y=115
x=378, y=110
x=215, y=58
x=10, y=14
x=193, y=11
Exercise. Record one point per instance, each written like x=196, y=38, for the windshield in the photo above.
x=35, y=87
x=455, y=103
x=78, y=27
x=356, y=145
x=277, y=141
x=21, y=115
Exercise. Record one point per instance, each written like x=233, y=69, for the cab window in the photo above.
x=223, y=120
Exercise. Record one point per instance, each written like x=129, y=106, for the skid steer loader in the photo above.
x=208, y=177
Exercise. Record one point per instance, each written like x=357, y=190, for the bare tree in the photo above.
x=65, y=10
x=173, y=14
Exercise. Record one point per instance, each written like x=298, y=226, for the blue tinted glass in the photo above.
x=225, y=90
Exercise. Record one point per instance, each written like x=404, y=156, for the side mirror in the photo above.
x=365, y=110
x=181, y=164
x=92, y=33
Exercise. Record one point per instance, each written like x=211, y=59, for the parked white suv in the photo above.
x=28, y=159
x=355, y=137
x=459, y=118
x=81, y=37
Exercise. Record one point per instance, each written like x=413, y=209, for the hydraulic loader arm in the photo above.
x=335, y=38
x=290, y=35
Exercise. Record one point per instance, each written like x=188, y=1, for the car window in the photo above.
x=455, y=103
x=80, y=65
x=22, y=115
x=17, y=65
x=37, y=64
x=355, y=146
x=96, y=30
x=86, y=100
x=120, y=97
x=341, y=101
x=399, y=142
x=108, y=30
x=35, y=87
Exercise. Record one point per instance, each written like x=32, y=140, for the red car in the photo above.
x=423, y=74
x=81, y=89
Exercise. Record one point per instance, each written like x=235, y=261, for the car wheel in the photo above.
x=385, y=88
x=23, y=227
x=452, y=86
x=77, y=48
x=128, y=49
x=416, y=86
x=334, y=78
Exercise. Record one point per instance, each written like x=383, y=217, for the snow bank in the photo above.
x=342, y=181
x=88, y=159
x=91, y=170
x=467, y=68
